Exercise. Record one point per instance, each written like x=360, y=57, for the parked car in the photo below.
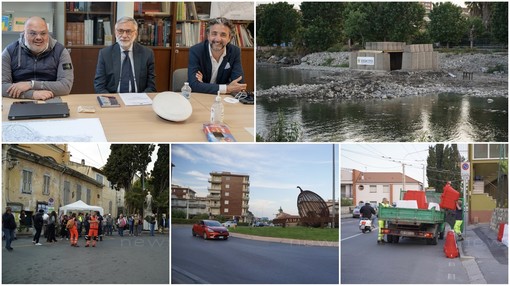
x=210, y=229
x=229, y=223
x=355, y=212
x=260, y=224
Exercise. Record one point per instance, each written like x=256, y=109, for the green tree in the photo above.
x=447, y=25
x=125, y=161
x=499, y=22
x=276, y=23
x=160, y=179
x=322, y=25
x=475, y=28
x=383, y=21
x=482, y=10
x=443, y=165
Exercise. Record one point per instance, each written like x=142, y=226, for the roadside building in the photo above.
x=111, y=200
x=284, y=219
x=185, y=199
x=39, y=176
x=488, y=183
x=372, y=187
x=229, y=195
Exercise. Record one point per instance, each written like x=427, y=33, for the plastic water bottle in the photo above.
x=217, y=110
x=186, y=90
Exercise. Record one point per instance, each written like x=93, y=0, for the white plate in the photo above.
x=172, y=106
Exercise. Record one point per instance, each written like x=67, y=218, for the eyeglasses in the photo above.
x=35, y=34
x=241, y=95
x=128, y=32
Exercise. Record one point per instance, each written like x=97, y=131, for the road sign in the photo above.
x=465, y=170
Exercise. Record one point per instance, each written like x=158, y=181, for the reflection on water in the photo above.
x=444, y=117
x=269, y=76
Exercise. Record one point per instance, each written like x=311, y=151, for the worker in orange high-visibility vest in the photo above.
x=73, y=230
x=93, y=230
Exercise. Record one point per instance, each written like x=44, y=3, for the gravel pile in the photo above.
x=346, y=84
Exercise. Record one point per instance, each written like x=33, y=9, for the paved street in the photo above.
x=128, y=260
x=245, y=261
x=411, y=261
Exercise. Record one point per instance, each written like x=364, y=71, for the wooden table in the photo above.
x=142, y=124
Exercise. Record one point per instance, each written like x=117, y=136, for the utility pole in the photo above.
x=334, y=175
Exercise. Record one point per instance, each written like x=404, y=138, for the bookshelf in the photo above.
x=160, y=27
x=13, y=12
x=89, y=23
x=190, y=24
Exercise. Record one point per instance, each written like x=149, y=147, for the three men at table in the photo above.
x=125, y=66
x=36, y=66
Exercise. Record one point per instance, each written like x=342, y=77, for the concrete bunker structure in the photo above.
x=388, y=56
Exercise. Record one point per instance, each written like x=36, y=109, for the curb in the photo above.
x=469, y=262
x=287, y=240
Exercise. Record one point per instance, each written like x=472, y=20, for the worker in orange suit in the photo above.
x=93, y=230
x=73, y=230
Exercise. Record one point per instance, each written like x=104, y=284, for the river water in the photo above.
x=432, y=118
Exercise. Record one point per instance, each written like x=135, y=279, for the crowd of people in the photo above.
x=92, y=226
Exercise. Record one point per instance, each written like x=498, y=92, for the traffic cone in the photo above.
x=500, y=231
x=450, y=246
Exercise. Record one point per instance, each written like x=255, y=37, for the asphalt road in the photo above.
x=127, y=260
x=244, y=261
x=411, y=261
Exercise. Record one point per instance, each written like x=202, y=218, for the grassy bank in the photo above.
x=318, y=234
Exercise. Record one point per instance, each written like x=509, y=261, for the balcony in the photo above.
x=214, y=198
x=216, y=180
x=214, y=190
x=246, y=206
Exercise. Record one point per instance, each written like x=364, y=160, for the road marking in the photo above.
x=189, y=275
x=353, y=236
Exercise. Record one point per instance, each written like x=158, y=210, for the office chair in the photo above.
x=178, y=78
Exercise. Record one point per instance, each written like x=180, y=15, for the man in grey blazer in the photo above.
x=116, y=73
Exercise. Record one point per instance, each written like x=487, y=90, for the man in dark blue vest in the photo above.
x=215, y=64
x=36, y=66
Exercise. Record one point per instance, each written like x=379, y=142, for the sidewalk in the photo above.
x=483, y=256
x=286, y=240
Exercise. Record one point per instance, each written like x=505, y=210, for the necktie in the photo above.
x=126, y=75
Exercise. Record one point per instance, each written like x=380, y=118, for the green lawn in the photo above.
x=319, y=234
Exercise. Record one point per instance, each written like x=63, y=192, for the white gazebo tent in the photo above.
x=79, y=206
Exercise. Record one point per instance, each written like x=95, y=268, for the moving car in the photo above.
x=210, y=229
x=355, y=211
x=229, y=223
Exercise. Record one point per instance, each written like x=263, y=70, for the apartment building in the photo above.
x=229, y=195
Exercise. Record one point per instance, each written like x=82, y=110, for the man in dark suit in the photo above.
x=116, y=72
x=215, y=65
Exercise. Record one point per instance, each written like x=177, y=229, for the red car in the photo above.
x=210, y=229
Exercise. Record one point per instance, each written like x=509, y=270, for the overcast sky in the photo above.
x=96, y=154
x=275, y=171
x=389, y=157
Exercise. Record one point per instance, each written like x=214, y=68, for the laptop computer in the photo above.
x=32, y=110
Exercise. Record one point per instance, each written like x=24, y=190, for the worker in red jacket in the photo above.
x=93, y=230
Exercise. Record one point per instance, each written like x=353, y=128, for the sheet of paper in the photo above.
x=135, y=99
x=67, y=130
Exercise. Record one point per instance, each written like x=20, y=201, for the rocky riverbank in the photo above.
x=490, y=79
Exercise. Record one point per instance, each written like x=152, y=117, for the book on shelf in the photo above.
x=7, y=22
x=154, y=32
x=89, y=32
x=18, y=24
x=106, y=101
x=218, y=133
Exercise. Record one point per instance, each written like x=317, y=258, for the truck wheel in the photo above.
x=389, y=238
x=363, y=230
x=441, y=235
x=395, y=239
x=432, y=241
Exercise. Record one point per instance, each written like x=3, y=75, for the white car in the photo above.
x=229, y=223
